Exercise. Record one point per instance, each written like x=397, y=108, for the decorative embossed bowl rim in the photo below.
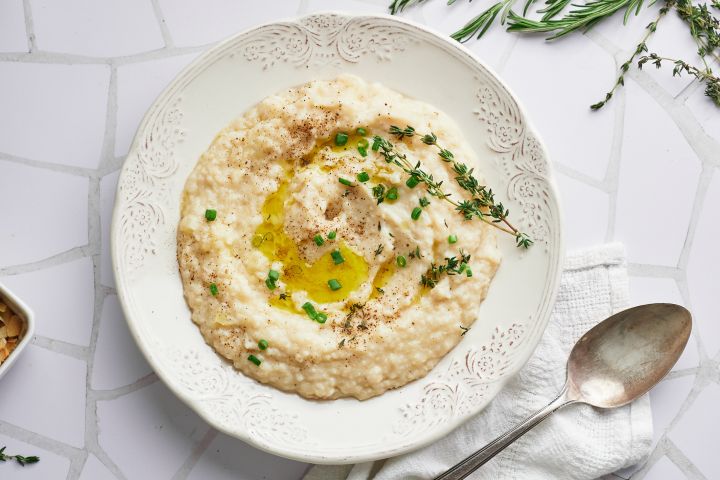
x=230, y=78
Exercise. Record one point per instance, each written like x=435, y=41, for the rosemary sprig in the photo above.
x=481, y=205
x=703, y=26
x=22, y=460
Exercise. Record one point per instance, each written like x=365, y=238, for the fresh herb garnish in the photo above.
x=272, y=277
x=332, y=235
x=481, y=205
x=254, y=360
x=363, y=177
x=22, y=460
x=334, y=284
x=361, y=131
x=314, y=314
x=464, y=329
x=378, y=192
x=210, y=215
x=342, y=342
x=452, y=239
x=424, y=202
x=703, y=27
x=401, y=261
x=346, y=182
x=452, y=266
x=213, y=289
x=318, y=240
x=415, y=214
x=392, y=193
x=380, y=290
x=263, y=344
x=415, y=253
x=379, y=249
x=337, y=257
x=341, y=139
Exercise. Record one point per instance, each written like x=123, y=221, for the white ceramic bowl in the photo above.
x=27, y=316
x=230, y=78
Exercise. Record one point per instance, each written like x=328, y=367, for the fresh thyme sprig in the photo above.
x=452, y=266
x=482, y=204
x=703, y=27
x=22, y=460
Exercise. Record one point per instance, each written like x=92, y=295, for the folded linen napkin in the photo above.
x=579, y=442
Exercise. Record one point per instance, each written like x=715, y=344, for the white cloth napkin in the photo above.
x=578, y=442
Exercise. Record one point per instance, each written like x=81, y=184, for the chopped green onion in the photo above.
x=332, y=235
x=345, y=181
x=213, y=289
x=273, y=275
x=334, y=284
x=363, y=143
x=210, y=215
x=452, y=239
x=468, y=272
x=376, y=144
x=318, y=240
x=337, y=257
x=462, y=267
x=361, y=131
x=263, y=344
x=392, y=194
x=320, y=317
x=412, y=182
x=309, y=309
x=416, y=213
x=401, y=261
x=270, y=283
x=363, y=151
x=341, y=139
x=363, y=177
x=254, y=360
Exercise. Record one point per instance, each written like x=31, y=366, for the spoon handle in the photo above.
x=482, y=456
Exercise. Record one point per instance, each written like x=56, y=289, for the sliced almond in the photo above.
x=13, y=326
x=3, y=342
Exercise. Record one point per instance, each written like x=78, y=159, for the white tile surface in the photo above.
x=46, y=224
x=703, y=268
x=156, y=416
x=229, y=459
x=95, y=470
x=63, y=297
x=666, y=400
x=45, y=109
x=583, y=230
x=198, y=23
x=148, y=433
x=108, y=187
x=100, y=28
x=664, y=469
x=118, y=361
x=138, y=86
x=50, y=467
x=48, y=395
x=12, y=26
x=653, y=230
x=586, y=137
x=699, y=426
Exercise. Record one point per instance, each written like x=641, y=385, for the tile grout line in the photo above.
x=197, y=451
x=167, y=38
x=612, y=172
x=74, y=253
x=41, y=441
x=676, y=456
x=55, y=167
x=29, y=26
x=61, y=347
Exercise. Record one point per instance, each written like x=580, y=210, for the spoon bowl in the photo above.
x=614, y=363
x=624, y=356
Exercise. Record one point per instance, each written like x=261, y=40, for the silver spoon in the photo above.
x=617, y=361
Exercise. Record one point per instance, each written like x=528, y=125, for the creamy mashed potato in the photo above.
x=268, y=194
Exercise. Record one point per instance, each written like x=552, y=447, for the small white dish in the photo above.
x=27, y=316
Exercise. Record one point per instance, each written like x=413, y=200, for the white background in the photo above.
x=77, y=75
